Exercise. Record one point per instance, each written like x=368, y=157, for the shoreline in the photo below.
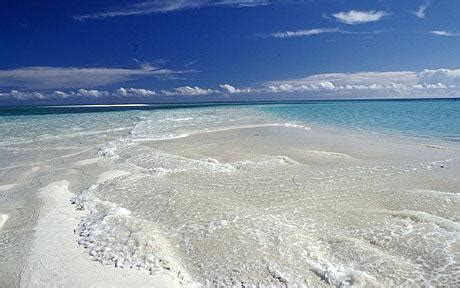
x=235, y=103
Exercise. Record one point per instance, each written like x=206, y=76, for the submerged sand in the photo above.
x=245, y=203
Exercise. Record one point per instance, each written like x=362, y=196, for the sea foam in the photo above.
x=112, y=236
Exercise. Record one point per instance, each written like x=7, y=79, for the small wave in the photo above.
x=6, y=187
x=286, y=160
x=182, y=119
x=293, y=125
x=273, y=160
x=111, y=235
x=421, y=239
x=330, y=154
x=421, y=217
x=108, y=150
x=336, y=276
x=436, y=192
x=341, y=276
x=3, y=219
x=215, y=165
x=150, y=160
x=147, y=131
x=161, y=137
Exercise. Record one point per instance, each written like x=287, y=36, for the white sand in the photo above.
x=109, y=175
x=87, y=162
x=329, y=154
x=6, y=187
x=56, y=260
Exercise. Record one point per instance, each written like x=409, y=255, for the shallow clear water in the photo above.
x=438, y=118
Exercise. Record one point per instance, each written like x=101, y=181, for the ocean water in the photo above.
x=437, y=118
x=424, y=118
x=255, y=195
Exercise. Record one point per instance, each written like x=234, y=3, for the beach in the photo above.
x=223, y=197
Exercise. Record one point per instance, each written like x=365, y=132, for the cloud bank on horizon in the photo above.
x=235, y=50
x=360, y=85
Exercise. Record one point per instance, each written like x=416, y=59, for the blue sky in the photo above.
x=198, y=50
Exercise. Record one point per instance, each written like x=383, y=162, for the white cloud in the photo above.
x=431, y=86
x=188, y=91
x=421, y=11
x=318, y=31
x=241, y=3
x=73, y=77
x=444, y=33
x=135, y=92
x=345, y=81
x=448, y=77
x=57, y=94
x=62, y=94
x=358, y=17
x=303, y=33
x=92, y=93
x=19, y=95
x=165, y=6
x=233, y=90
x=395, y=84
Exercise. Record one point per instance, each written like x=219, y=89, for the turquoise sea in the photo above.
x=438, y=118
x=423, y=118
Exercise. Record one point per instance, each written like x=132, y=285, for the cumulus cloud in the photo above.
x=344, y=81
x=92, y=93
x=179, y=91
x=117, y=93
x=74, y=77
x=364, y=85
x=20, y=95
x=303, y=33
x=444, y=33
x=188, y=91
x=233, y=90
x=62, y=94
x=135, y=92
x=371, y=84
x=57, y=94
x=421, y=11
x=165, y=6
x=448, y=77
x=354, y=17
